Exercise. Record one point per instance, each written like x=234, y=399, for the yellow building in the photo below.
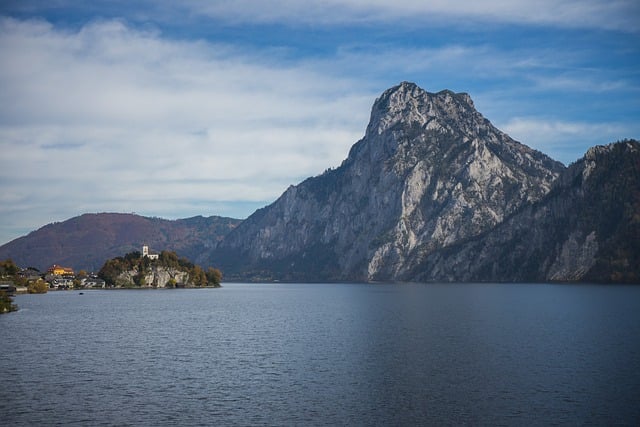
x=58, y=270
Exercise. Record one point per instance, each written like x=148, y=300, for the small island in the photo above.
x=150, y=270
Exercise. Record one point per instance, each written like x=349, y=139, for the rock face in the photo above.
x=586, y=229
x=429, y=173
x=157, y=276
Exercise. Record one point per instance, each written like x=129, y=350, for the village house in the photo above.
x=92, y=282
x=7, y=286
x=59, y=277
x=58, y=270
x=61, y=284
x=30, y=274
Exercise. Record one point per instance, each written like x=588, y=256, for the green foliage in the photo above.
x=111, y=269
x=214, y=276
x=6, y=303
x=198, y=277
x=8, y=268
x=168, y=259
x=38, y=287
x=133, y=256
x=9, y=271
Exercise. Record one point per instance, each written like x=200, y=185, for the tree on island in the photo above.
x=6, y=303
x=9, y=273
x=214, y=276
x=8, y=269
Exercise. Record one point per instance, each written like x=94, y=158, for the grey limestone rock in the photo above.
x=430, y=171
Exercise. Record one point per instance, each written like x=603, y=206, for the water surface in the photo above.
x=325, y=354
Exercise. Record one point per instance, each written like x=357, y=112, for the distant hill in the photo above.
x=87, y=241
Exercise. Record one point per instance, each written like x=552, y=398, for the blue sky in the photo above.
x=176, y=109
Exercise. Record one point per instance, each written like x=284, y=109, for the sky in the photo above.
x=178, y=109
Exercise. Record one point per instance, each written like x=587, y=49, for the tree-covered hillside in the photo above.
x=84, y=242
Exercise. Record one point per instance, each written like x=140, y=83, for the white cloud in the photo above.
x=109, y=117
x=581, y=83
x=607, y=14
x=112, y=118
x=562, y=139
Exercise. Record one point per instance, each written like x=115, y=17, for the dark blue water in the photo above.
x=331, y=354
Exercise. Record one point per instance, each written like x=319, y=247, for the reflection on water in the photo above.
x=292, y=354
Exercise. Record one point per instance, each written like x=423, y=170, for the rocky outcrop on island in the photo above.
x=155, y=276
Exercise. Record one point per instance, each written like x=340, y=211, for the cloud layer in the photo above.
x=112, y=118
x=216, y=107
x=607, y=14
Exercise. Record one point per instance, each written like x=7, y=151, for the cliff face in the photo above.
x=586, y=229
x=430, y=172
x=156, y=276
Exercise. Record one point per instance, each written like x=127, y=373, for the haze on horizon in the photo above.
x=215, y=108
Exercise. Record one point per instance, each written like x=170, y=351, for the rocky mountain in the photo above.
x=586, y=229
x=430, y=172
x=87, y=241
x=432, y=192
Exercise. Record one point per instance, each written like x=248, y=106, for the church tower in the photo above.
x=146, y=253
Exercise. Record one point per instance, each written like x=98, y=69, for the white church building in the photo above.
x=146, y=253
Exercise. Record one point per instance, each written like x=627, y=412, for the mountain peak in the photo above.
x=429, y=173
x=406, y=90
x=408, y=103
x=627, y=146
x=604, y=156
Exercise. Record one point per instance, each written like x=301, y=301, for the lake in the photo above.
x=325, y=354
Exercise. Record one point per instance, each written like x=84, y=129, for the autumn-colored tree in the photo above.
x=198, y=276
x=38, y=287
x=111, y=270
x=8, y=268
x=6, y=303
x=214, y=276
x=168, y=259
